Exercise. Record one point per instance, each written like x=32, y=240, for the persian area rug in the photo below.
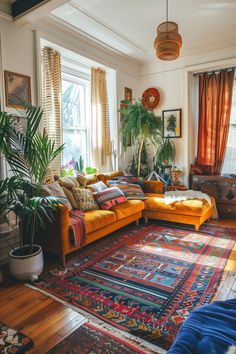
x=90, y=339
x=145, y=280
x=12, y=341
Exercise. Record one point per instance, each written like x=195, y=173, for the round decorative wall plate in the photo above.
x=151, y=98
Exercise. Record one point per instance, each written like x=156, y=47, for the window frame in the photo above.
x=231, y=124
x=77, y=77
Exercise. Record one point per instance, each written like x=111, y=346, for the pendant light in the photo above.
x=168, y=41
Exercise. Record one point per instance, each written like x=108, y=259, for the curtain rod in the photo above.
x=213, y=71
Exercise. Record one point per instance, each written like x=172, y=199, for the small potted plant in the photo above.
x=28, y=155
x=165, y=154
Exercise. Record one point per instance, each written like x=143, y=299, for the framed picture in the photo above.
x=17, y=89
x=128, y=94
x=171, y=120
x=122, y=105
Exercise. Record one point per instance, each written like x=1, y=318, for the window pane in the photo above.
x=76, y=145
x=73, y=104
x=230, y=154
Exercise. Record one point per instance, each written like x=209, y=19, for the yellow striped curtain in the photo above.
x=52, y=118
x=100, y=125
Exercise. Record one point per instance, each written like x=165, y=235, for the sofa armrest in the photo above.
x=64, y=219
x=153, y=187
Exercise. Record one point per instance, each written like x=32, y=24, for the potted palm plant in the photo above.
x=28, y=155
x=141, y=124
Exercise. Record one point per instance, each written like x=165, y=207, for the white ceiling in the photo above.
x=129, y=26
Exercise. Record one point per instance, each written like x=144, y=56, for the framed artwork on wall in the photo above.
x=171, y=120
x=128, y=94
x=17, y=89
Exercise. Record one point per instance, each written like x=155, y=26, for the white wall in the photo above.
x=18, y=55
x=174, y=80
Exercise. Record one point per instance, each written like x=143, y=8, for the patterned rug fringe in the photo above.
x=140, y=343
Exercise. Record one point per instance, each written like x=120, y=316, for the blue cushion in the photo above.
x=210, y=329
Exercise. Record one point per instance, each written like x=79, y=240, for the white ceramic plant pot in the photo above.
x=26, y=267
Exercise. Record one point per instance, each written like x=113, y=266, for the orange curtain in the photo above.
x=215, y=100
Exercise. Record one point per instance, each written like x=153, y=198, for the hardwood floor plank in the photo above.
x=37, y=329
x=42, y=312
x=47, y=343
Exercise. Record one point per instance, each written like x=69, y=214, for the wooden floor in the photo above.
x=47, y=321
x=38, y=316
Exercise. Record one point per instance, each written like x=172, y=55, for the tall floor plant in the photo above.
x=28, y=155
x=141, y=124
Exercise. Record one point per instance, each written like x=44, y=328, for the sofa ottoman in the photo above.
x=194, y=212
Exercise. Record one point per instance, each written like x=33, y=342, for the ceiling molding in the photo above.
x=6, y=16
x=38, y=11
x=85, y=37
x=48, y=26
x=191, y=53
x=105, y=25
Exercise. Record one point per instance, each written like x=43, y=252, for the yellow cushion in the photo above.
x=196, y=207
x=128, y=208
x=153, y=187
x=96, y=219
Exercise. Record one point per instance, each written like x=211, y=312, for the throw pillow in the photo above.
x=70, y=197
x=109, y=197
x=131, y=191
x=97, y=187
x=56, y=190
x=69, y=182
x=131, y=179
x=84, y=199
x=81, y=179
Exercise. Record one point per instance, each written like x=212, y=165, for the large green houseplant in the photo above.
x=141, y=124
x=28, y=155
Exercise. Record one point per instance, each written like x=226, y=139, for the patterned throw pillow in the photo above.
x=131, y=179
x=109, y=197
x=56, y=190
x=97, y=187
x=84, y=199
x=131, y=191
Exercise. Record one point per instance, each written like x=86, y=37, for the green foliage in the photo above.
x=79, y=166
x=67, y=172
x=90, y=170
x=165, y=153
x=28, y=155
x=140, y=124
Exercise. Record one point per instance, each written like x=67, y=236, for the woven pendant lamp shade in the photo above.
x=168, y=41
